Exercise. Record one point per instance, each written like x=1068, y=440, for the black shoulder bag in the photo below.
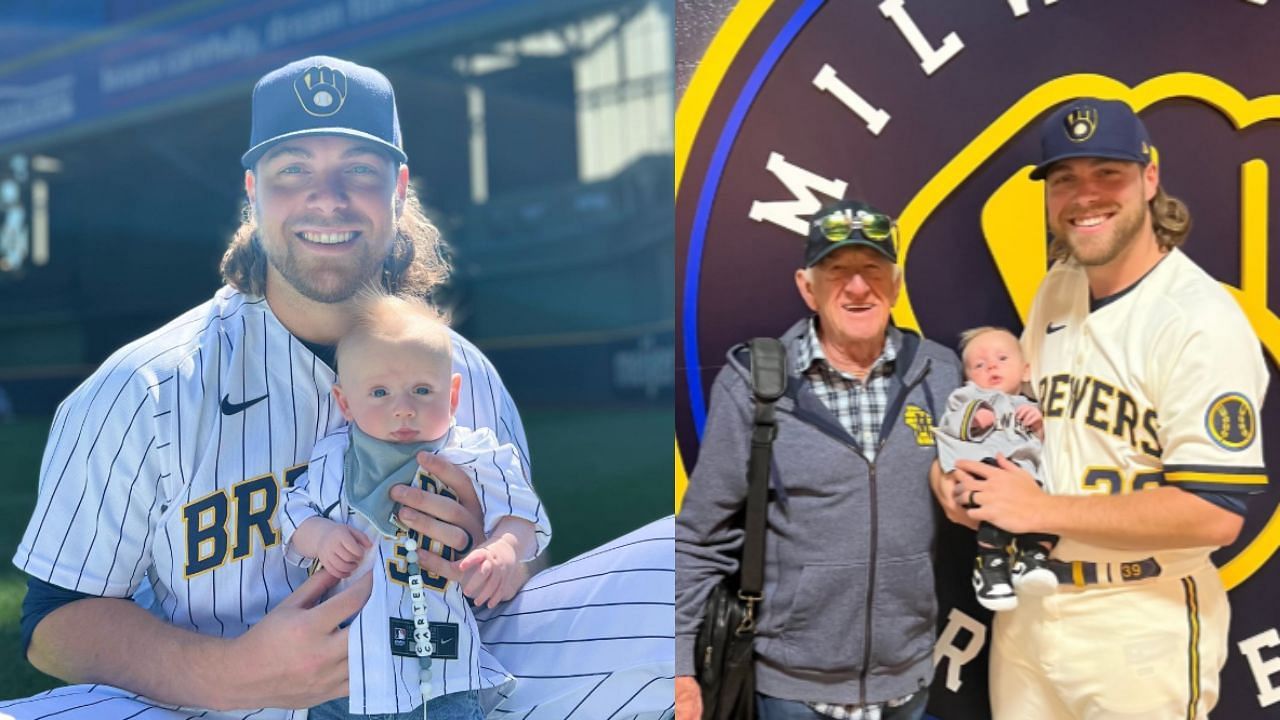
x=723, y=649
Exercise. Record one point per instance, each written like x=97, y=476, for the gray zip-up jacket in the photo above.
x=849, y=610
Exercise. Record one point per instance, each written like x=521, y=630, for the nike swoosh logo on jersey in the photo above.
x=1051, y=328
x=230, y=408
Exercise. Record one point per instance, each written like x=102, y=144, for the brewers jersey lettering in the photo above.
x=381, y=682
x=1160, y=384
x=169, y=462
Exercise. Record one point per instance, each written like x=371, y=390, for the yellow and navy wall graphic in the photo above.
x=928, y=109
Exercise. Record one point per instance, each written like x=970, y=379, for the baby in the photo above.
x=985, y=417
x=397, y=389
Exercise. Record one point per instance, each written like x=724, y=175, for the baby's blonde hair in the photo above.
x=397, y=318
x=968, y=336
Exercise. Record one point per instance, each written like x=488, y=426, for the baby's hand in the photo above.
x=491, y=572
x=341, y=549
x=1030, y=418
x=983, y=418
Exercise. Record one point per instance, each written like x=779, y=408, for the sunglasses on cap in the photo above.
x=841, y=224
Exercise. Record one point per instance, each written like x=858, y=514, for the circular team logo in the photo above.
x=1230, y=421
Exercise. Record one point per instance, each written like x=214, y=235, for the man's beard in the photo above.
x=1128, y=226
x=328, y=282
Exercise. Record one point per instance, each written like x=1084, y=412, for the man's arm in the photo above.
x=708, y=543
x=1153, y=519
x=298, y=653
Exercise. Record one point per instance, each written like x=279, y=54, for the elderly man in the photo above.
x=1150, y=380
x=846, y=627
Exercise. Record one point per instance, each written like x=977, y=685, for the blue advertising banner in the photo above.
x=200, y=47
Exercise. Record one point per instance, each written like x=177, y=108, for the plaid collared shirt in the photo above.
x=853, y=712
x=859, y=405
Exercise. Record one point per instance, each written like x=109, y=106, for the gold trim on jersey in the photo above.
x=1193, y=647
x=1118, y=482
x=199, y=530
x=1189, y=476
x=967, y=422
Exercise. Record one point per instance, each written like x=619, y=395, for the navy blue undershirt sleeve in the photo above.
x=43, y=598
x=1237, y=503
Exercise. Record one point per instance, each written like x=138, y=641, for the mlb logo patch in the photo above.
x=444, y=639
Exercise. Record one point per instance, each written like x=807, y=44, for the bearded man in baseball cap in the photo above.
x=1150, y=380
x=202, y=425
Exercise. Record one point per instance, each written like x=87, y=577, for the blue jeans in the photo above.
x=454, y=706
x=772, y=708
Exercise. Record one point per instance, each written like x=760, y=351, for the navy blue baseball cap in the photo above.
x=323, y=96
x=1090, y=127
x=850, y=223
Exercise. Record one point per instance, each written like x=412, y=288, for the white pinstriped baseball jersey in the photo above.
x=1160, y=385
x=381, y=682
x=588, y=639
x=169, y=462
x=593, y=637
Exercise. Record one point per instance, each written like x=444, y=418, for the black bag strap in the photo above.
x=768, y=383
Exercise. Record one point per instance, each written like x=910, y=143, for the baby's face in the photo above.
x=993, y=360
x=397, y=391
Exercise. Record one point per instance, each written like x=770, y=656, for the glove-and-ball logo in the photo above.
x=321, y=90
x=1081, y=123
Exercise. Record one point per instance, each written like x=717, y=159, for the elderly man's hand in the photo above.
x=688, y=698
x=1004, y=495
x=945, y=489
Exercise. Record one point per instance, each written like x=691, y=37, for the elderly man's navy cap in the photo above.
x=323, y=96
x=850, y=223
x=1090, y=127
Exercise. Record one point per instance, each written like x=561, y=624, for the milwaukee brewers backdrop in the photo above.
x=928, y=109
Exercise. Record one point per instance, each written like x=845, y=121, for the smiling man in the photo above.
x=846, y=626
x=166, y=468
x=1150, y=380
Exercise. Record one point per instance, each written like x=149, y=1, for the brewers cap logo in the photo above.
x=1230, y=421
x=321, y=90
x=1081, y=123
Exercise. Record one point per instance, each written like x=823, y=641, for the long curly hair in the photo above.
x=1170, y=218
x=417, y=264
